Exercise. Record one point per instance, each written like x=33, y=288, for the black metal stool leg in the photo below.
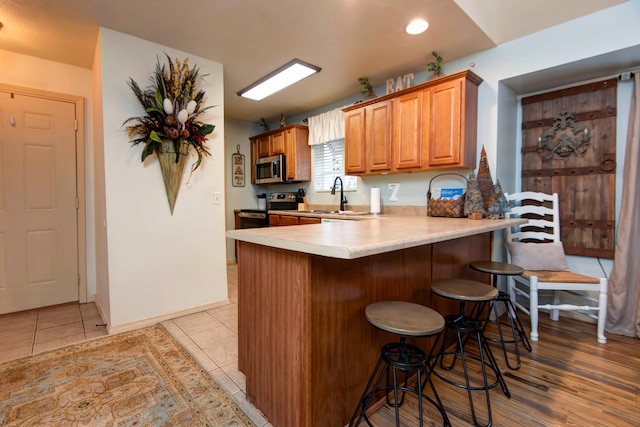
x=394, y=357
x=494, y=365
x=465, y=328
x=517, y=330
x=518, y=325
x=368, y=394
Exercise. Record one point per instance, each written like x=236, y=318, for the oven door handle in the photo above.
x=252, y=215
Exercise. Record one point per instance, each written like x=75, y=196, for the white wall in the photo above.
x=238, y=132
x=158, y=263
x=36, y=73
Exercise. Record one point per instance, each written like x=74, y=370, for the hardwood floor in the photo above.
x=568, y=379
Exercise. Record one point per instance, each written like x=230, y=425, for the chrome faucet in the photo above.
x=343, y=200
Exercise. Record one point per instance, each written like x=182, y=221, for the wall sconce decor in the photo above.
x=557, y=141
x=171, y=125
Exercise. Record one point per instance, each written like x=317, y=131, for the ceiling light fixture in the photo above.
x=417, y=26
x=279, y=79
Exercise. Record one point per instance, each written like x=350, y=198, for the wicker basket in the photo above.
x=449, y=208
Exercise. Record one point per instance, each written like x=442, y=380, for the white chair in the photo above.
x=540, y=274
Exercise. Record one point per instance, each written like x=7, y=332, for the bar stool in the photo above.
x=496, y=268
x=465, y=326
x=404, y=319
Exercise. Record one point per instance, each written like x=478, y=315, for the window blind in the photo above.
x=328, y=163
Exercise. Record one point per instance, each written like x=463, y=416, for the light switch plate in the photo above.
x=394, y=193
x=217, y=197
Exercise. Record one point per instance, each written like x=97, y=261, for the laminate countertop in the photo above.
x=360, y=236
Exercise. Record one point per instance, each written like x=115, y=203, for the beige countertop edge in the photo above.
x=356, y=239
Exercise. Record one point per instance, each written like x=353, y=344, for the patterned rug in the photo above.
x=138, y=378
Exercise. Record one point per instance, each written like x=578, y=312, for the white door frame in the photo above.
x=80, y=184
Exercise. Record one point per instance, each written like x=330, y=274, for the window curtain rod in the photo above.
x=627, y=75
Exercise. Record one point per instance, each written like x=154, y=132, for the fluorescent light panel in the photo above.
x=279, y=79
x=417, y=26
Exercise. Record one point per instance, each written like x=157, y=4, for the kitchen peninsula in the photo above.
x=303, y=341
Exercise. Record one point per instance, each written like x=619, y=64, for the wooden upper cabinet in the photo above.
x=378, y=120
x=354, y=150
x=442, y=123
x=450, y=122
x=407, y=136
x=432, y=125
x=263, y=144
x=369, y=130
x=278, y=143
x=298, y=153
x=293, y=142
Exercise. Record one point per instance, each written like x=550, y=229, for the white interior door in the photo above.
x=38, y=203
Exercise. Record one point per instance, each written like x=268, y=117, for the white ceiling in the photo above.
x=346, y=38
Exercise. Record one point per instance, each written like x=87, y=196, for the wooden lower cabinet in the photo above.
x=304, y=343
x=280, y=220
x=309, y=220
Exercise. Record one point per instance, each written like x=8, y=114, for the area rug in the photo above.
x=138, y=378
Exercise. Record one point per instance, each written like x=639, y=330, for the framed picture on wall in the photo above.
x=237, y=168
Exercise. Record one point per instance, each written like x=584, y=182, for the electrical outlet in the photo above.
x=364, y=199
x=394, y=192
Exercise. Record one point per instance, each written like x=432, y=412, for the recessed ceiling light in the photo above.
x=417, y=26
x=279, y=79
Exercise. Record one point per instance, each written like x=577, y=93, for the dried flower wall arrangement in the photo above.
x=173, y=105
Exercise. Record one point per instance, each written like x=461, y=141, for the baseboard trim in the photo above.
x=126, y=327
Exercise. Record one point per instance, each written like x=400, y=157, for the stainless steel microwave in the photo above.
x=271, y=169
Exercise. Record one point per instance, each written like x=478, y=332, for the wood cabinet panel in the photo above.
x=263, y=144
x=277, y=143
x=378, y=131
x=289, y=220
x=407, y=139
x=274, y=220
x=354, y=132
x=281, y=220
x=273, y=326
x=443, y=125
x=309, y=220
x=298, y=153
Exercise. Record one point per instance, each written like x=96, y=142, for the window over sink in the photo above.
x=328, y=163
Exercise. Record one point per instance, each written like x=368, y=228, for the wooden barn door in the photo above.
x=569, y=147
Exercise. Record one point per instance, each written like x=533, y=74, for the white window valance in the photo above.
x=326, y=127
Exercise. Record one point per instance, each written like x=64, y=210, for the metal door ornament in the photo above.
x=552, y=141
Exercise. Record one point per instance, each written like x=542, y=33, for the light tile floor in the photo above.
x=210, y=336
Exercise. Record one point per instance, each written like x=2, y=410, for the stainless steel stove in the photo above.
x=255, y=218
x=287, y=201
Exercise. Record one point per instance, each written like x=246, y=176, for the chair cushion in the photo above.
x=538, y=256
x=560, y=277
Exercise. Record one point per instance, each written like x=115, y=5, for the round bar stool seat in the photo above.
x=464, y=290
x=497, y=267
x=518, y=334
x=404, y=319
x=463, y=327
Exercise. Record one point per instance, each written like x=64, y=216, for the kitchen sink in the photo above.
x=322, y=211
x=319, y=211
